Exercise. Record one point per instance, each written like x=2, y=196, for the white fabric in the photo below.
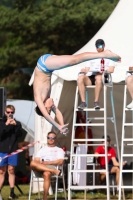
x=96, y=63
x=131, y=64
x=50, y=153
x=117, y=34
x=80, y=163
x=30, y=140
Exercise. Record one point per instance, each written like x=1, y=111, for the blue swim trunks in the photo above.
x=12, y=160
x=41, y=64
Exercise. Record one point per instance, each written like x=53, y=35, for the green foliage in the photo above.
x=31, y=28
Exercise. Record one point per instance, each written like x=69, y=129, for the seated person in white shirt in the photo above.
x=129, y=81
x=87, y=78
x=46, y=160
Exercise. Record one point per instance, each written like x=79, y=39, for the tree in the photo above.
x=29, y=29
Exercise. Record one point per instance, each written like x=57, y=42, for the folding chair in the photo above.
x=38, y=179
x=112, y=179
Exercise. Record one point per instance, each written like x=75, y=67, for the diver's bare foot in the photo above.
x=58, y=172
x=112, y=56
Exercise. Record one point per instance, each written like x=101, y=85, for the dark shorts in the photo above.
x=109, y=167
x=12, y=160
x=92, y=79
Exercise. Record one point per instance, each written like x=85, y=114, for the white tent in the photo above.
x=24, y=112
x=117, y=33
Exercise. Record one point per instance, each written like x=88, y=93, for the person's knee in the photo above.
x=98, y=80
x=46, y=175
x=33, y=164
x=11, y=170
x=129, y=80
x=103, y=174
x=80, y=79
x=2, y=172
x=117, y=170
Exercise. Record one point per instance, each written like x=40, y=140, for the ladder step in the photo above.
x=90, y=86
x=90, y=124
x=128, y=171
x=91, y=109
x=88, y=144
x=86, y=170
x=88, y=155
x=99, y=118
x=87, y=187
x=129, y=109
x=128, y=124
x=128, y=187
x=126, y=155
x=128, y=139
x=88, y=140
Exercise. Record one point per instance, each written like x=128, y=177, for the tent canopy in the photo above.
x=117, y=33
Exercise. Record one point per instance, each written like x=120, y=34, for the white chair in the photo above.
x=112, y=180
x=35, y=178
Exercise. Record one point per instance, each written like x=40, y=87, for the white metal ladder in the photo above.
x=125, y=142
x=86, y=125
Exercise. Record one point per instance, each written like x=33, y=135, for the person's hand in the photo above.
x=124, y=163
x=44, y=162
x=64, y=129
x=85, y=70
x=101, y=72
x=13, y=122
x=10, y=121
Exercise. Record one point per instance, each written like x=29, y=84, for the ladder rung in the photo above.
x=87, y=187
x=91, y=109
x=99, y=118
x=90, y=86
x=86, y=170
x=92, y=124
x=128, y=139
x=90, y=145
x=88, y=140
x=126, y=155
x=128, y=187
x=89, y=155
x=128, y=124
x=129, y=109
x=127, y=171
